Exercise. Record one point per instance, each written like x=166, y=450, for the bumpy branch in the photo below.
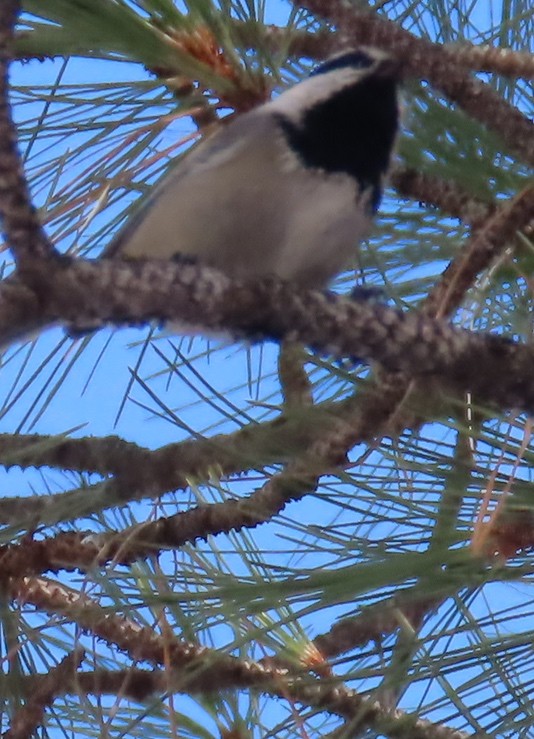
x=30, y=716
x=89, y=294
x=201, y=670
x=25, y=236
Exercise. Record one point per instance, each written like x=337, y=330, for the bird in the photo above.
x=288, y=189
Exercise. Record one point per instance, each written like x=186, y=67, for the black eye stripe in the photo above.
x=358, y=59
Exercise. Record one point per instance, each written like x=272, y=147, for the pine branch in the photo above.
x=21, y=224
x=199, y=669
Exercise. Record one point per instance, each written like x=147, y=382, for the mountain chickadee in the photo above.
x=287, y=189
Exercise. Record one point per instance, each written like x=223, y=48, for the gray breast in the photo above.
x=242, y=204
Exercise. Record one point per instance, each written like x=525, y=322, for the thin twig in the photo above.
x=446, y=195
x=480, y=251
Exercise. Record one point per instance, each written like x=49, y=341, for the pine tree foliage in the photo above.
x=206, y=538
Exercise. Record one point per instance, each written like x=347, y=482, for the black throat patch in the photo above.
x=352, y=133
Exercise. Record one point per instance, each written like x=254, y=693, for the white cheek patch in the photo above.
x=293, y=103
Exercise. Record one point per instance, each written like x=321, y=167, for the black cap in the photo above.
x=356, y=58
